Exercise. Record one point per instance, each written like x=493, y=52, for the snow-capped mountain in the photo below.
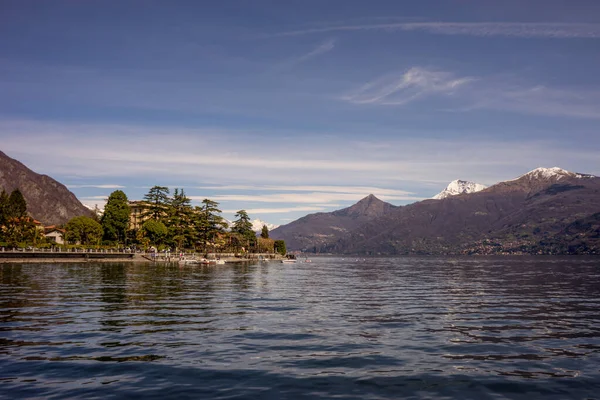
x=257, y=225
x=555, y=173
x=459, y=187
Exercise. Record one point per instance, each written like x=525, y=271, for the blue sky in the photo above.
x=285, y=108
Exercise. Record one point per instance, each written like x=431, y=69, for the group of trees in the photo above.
x=16, y=227
x=169, y=221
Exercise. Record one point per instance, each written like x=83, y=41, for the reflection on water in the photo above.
x=470, y=328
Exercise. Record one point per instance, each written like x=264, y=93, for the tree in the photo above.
x=208, y=223
x=3, y=208
x=180, y=218
x=17, y=206
x=20, y=231
x=265, y=245
x=265, y=232
x=157, y=201
x=96, y=213
x=280, y=247
x=15, y=226
x=83, y=230
x=243, y=227
x=242, y=224
x=115, y=220
x=154, y=230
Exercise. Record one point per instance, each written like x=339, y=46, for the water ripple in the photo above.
x=470, y=328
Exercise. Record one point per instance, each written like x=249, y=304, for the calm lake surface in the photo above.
x=376, y=328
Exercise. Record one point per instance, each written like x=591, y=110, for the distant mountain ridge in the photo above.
x=545, y=211
x=316, y=230
x=48, y=200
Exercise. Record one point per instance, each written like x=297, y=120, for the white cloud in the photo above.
x=93, y=201
x=149, y=155
x=323, y=48
x=473, y=93
x=278, y=210
x=364, y=190
x=509, y=29
x=107, y=186
x=308, y=198
x=414, y=84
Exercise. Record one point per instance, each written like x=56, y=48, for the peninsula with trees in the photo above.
x=37, y=211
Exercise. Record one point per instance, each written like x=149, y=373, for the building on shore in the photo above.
x=54, y=234
x=136, y=218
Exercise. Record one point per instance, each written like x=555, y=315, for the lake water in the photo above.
x=377, y=328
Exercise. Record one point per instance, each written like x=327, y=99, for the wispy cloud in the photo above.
x=510, y=29
x=474, y=93
x=336, y=166
x=322, y=48
x=108, y=186
x=279, y=210
x=414, y=84
x=363, y=190
x=537, y=100
x=307, y=198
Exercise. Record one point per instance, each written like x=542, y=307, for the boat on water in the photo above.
x=290, y=259
x=189, y=261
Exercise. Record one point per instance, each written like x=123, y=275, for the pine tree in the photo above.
x=243, y=227
x=180, y=218
x=265, y=232
x=242, y=224
x=209, y=224
x=157, y=201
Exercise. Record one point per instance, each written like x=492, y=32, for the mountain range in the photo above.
x=48, y=200
x=545, y=211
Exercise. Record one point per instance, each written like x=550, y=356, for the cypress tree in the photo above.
x=115, y=220
x=17, y=206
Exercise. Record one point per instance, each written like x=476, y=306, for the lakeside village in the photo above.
x=160, y=224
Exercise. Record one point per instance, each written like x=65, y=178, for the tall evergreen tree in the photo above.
x=208, y=222
x=243, y=227
x=3, y=208
x=265, y=232
x=157, y=202
x=180, y=218
x=115, y=219
x=15, y=226
x=17, y=206
x=242, y=224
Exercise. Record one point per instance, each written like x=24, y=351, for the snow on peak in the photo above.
x=459, y=187
x=257, y=225
x=554, y=172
